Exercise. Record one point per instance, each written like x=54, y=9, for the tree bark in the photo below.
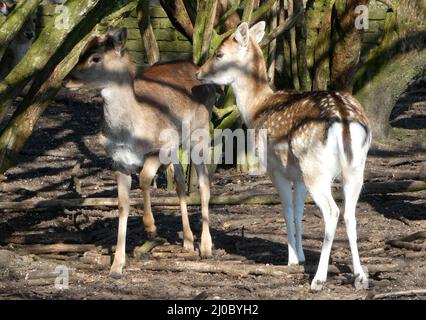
x=347, y=46
x=273, y=44
x=147, y=33
x=302, y=65
x=319, y=26
x=49, y=49
x=293, y=50
x=15, y=21
x=203, y=30
x=179, y=16
x=390, y=68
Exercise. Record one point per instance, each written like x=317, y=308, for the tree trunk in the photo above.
x=248, y=11
x=273, y=44
x=20, y=127
x=15, y=21
x=302, y=65
x=203, y=30
x=390, y=68
x=54, y=42
x=319, y=42
x=293, y=50
x=347, y=48
x=179, y=17
x=147, y=33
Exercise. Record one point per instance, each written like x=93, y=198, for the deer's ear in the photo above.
x=3, y=8
x=119, y=40
x=242, y=34
x=258, y=31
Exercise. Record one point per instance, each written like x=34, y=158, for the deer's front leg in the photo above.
x=203, y=181
x=286, y=196
x=148, y=173
x=123, y=184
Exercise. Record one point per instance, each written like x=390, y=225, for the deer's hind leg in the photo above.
x=352, y=184
x=319, y=186
x=299, y=194
x=149, y=170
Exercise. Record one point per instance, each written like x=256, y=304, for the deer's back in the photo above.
x=290, y=114
x=172, y=88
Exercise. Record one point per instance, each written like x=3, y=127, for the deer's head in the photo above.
x=103, y=62
x=235, y=56
x=27, y=33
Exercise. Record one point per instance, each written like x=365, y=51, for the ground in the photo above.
x=244, y=236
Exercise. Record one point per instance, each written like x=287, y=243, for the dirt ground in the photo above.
x=244, y=236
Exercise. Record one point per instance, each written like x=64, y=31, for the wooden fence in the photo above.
x=173, y=45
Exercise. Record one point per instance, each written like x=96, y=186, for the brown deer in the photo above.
x=20, y=44
x=137, y=110
x=312, y=137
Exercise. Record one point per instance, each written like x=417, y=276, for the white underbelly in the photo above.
x=124, y=155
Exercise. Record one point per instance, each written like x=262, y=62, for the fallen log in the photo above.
x=247, y=198
x=409, y=293
x=397, y=175
x=58, y=248
x=405, y=242
x=140, y=251
x=403, y=161
x=241, y=270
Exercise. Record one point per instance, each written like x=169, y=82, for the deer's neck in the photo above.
x=120, y=105
x=251, y=88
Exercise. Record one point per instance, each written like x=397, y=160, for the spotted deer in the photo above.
x=312, y=137
x=19, y=46
x=136, y=111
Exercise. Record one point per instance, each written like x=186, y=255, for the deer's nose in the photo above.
x=29, y=35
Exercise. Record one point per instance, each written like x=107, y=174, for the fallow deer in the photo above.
x=20, y=44
x=136, y=111
x=312, y=138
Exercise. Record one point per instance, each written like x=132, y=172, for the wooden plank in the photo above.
x=158, y=12
x=161, y=23
x=166, y=46
x=370, y=37
x=168, y=34
x=157, y=23
x=375, y=26
x=176, y=46
x=133, y=34
x=130, y=23
x=376, y=14
x=138, y=57
x=170, y=56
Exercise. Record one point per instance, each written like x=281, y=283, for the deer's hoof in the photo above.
x=116, y=270
x=317, y=285
x=151, y=233
x=206, y=246
x=188, y=245
x=115, y=275
x=361, y=282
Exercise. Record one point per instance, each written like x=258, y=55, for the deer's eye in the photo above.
x=95, y=58
x=219, y=55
